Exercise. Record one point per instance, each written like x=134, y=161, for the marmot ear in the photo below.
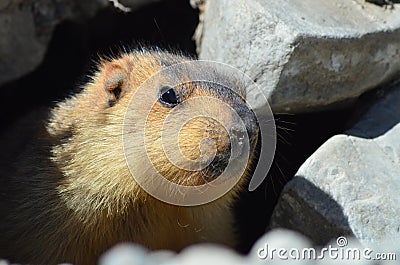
x=116, y=81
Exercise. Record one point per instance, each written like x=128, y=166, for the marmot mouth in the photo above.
x=216, y=167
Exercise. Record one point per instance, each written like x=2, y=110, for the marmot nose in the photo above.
x=249, y=119
x=238, y=137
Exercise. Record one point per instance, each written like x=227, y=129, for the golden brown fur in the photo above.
x=69, y=196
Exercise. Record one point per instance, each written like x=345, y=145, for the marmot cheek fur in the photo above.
x=66, y=192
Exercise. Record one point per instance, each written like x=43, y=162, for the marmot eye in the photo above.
x=168, y=96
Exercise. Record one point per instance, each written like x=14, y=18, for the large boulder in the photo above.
x=351, y=184
x=305, y=55
x=26, y=27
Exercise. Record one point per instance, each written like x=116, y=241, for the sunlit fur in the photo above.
x=69, y=195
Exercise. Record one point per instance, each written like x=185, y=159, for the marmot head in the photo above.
x=186, y=126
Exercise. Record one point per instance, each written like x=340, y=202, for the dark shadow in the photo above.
x=384, y=3
x=383, y=113
x=29, y=195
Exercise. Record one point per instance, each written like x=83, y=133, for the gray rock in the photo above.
x=126, y=254
x=351, y=184
x=27, y=26
x=206, y=254
x=307, y=55
x=296, y=210
x=264, y=250
x=347, y=251
x=161, y=256
x=389, y=250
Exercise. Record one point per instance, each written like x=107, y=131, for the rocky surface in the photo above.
x=351, y=184
x=305, y=56
x=26, y=28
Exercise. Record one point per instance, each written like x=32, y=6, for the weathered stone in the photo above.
x=307, y=55
x=27, y=26
x=278, y=239
x=351, y=184
x=296, y=210
x=125, y=254
x=207, y=254
x=161, y=256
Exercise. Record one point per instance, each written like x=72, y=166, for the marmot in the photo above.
x=68, y=195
